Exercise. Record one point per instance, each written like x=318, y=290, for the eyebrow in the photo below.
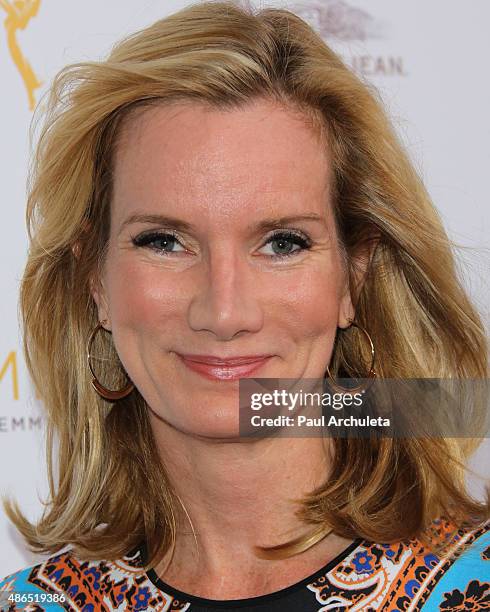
x=182, y=225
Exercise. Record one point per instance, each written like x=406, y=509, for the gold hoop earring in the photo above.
x=372, y=374
x=105, y=393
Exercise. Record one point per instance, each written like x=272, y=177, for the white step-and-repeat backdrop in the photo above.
x=429, y=60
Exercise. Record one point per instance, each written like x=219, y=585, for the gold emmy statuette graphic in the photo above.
x=19, y=13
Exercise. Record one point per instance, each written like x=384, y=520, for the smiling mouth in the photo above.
x=225, y=370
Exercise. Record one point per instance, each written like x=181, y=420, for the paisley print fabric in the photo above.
x=366, y=576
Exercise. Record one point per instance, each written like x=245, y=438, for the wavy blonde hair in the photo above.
x=423, y=324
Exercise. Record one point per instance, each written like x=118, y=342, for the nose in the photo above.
x=226, y=302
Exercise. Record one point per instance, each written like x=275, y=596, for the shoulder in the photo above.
x=21, y=587
x=407, y=575
x=64, y=581
x=463, y=582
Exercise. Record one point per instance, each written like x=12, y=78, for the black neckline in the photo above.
x=249, y=601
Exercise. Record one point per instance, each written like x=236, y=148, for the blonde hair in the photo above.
x=422, y=323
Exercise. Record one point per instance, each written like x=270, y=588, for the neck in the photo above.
x=238, y=495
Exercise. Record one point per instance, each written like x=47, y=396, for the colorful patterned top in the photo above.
x=365, y=576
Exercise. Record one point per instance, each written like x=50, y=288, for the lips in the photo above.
x=215, y=368
x=229, y=361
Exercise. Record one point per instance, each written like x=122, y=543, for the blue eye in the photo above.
x=158, y=241
x=284, y=241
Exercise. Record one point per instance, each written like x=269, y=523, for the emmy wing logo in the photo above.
x=13, y=422
x=19, y=14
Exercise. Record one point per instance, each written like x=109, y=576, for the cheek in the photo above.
x=312, y=299
x=146, y=306
x=141, y=295
x=311, y=311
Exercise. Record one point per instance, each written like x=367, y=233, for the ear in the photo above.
x=346, y=308
x=100, y=298
x=96, y=285
x=76, y=247
x=359, y=265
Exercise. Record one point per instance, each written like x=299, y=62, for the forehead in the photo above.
x=190, y=152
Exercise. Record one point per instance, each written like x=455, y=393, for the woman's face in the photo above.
x=211, y=254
